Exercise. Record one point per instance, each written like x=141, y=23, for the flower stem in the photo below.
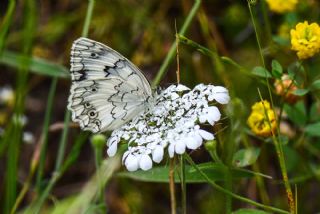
x=171, y=186
x=87, y=21
x=260, y=49
x=183, y=185
x=282, y=163
x=45, y=132
x=172, y=50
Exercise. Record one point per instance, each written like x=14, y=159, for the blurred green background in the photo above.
x=35, y=42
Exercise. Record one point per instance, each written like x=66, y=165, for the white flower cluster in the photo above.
x=172, y=124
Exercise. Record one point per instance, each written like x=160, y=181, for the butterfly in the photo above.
x=107, y=89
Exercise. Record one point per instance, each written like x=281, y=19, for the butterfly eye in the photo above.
x=92, y=114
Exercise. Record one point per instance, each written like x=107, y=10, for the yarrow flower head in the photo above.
x=171, y=125
x=282, y=6
x=262, y=119
x=305, y=39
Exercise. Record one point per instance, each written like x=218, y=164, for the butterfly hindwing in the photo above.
x=107, y=89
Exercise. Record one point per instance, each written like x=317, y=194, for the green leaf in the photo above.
x=315, y=85
x=300, y=92
x=161, y=174
x=296, y=113
x=276, y=69
x=313, y=129
x=37, y=65
x=245, y=157
x=261, y=72
x=249, y=211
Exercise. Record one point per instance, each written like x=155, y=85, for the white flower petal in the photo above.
x=172, y=124
x=171, y=150
x=198, y=139
x=221, y=95
x=157, y=154
x=112, y=149
x=180, y=147
x=182, y=88
x=124, y=156
x=202, y=118
x=213, y=114
x=145, y=162
x=206, y=135
x=191, y=143
x=174, y=96
x=131, y=163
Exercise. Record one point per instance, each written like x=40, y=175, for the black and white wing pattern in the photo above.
x=107, y=89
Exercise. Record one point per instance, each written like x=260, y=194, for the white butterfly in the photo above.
x=107, y=89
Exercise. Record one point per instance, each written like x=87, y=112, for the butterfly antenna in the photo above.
x=177, y=47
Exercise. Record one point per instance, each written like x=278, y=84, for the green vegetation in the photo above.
x=259, y=50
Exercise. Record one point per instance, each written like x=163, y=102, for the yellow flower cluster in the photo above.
x=282, y=6
x=305, y=39
x=262, y=119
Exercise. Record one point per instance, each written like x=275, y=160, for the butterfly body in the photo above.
x=107, y=89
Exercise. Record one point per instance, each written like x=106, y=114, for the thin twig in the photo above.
x=171, y=186
x=178, y=62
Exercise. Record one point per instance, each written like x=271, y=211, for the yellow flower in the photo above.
x=305, y=39
x=262, y=119
x=282, y=6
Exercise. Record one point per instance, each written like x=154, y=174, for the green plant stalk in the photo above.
x=283, y=168
x=67, y=114
x=87, y=21
x=183, y=185
x=172, y=51
x=221, y=189
x=43, y=135
x=173, y=203
x=212, y=53
x=25, y=188
x=63, y=141
x=282, y=163
x=98, y=160
x=13, y=140
x=15, y=128
x=75, y=152
x=35, y=207
x=45, y=132
x=260, y=49
x=278, y=146
x=5, y=25
x=206, y=29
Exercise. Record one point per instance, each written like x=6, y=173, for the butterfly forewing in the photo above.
x=107, y=89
